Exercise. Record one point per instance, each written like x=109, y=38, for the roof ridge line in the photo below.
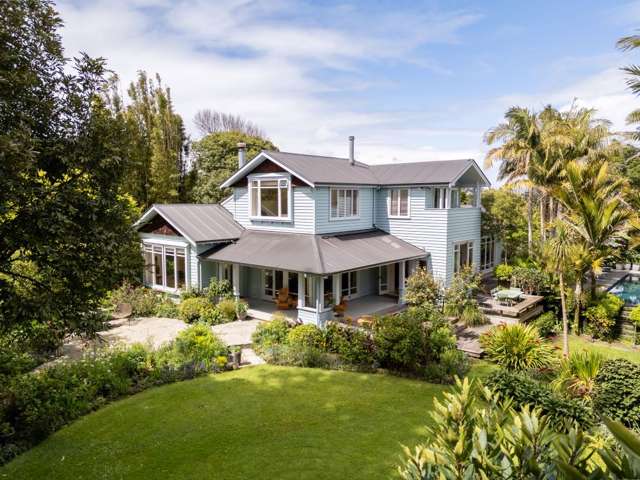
x=318, y=253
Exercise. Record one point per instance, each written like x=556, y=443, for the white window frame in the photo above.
x=487, y=252
x=342, y=193
x=441, y=193
x=397, y=214
x=270, y=177
x=150, y=247
x=349, y=291
x=454, y=201
x=456, y=254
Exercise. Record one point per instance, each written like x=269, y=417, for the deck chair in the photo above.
x=122, y=311
x=282, y=299
x=340, y=308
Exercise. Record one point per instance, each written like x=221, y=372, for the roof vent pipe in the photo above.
x=352, y=159
x=241, y=150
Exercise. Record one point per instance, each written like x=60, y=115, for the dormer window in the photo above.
x=269, y=197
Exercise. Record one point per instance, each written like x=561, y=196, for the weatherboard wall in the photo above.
x=302, y=215
x=425, y=227
x=324, y=222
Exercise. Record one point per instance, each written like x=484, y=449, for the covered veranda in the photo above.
x=311, y=278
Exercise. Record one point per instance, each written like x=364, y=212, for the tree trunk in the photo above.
x=576, y=315
x=592, y=276
x=530, y=222
x=543, y=235
x=565, y=320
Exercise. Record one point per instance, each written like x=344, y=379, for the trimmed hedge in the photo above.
x=617, y=392
x=522, y=390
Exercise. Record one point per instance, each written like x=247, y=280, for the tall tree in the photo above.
x=216, y=160
x=595, y=210
x=520, y=149
x=65, y=226
x=209, y=121
x=157, y=142
x=503, y=216
x=627, y=43
x=558, y=253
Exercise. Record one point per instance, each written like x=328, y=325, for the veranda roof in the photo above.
x=317, y=254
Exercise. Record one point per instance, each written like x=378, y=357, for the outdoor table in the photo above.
x=509, y=294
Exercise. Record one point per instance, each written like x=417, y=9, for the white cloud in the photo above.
x=253, y=59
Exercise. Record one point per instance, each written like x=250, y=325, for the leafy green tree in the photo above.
x=422, y=289
x=504, y=216
x=217, y=159
x=476, y=434
x=65, y=226
x=157, y=144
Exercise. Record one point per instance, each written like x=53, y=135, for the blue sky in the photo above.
x=411, y=80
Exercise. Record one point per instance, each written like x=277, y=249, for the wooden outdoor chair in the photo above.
x=340, y=308
x=282, y=299
x=123, y=311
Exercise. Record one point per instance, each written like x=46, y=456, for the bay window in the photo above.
x=398, y=205
x=269, y=197
x=164, y=266
x=344, y=203
x=462, y=255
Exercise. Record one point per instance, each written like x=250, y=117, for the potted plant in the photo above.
x=241, y=309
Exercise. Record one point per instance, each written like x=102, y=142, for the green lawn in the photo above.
x=260, y=422
x=608, y=350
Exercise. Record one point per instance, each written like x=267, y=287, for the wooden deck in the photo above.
x=530, y=306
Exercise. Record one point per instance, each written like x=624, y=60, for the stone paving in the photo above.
x=155, y=331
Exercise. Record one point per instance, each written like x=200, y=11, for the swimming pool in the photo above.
x=628, y=290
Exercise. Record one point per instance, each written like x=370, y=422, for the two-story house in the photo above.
x=324, y=228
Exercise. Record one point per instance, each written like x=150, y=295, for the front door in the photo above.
x=387, y=279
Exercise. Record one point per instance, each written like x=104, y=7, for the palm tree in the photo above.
x=520, y=149
x=595, y=210
x=632, y=42
x=558, y=253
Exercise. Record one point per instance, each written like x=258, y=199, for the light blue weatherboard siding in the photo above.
x=425, y=228
x=302, y=218
x=463, y=225
x=325, y=224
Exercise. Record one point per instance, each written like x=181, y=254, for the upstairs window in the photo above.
x=398, y=205
x=269, y=198
x=439, y=197
x=344, y=203
x=455, y=198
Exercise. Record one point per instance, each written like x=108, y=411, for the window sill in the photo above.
x=399, y=217
x=160, y=288
x=271, y=219
x=340, y=219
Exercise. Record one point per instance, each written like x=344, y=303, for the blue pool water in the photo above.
x=628, y=290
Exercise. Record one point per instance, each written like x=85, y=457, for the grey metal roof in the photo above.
x=317, y=254
x=437, y=171
x=315, y=169
x=320, y=169
x=200, y=223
